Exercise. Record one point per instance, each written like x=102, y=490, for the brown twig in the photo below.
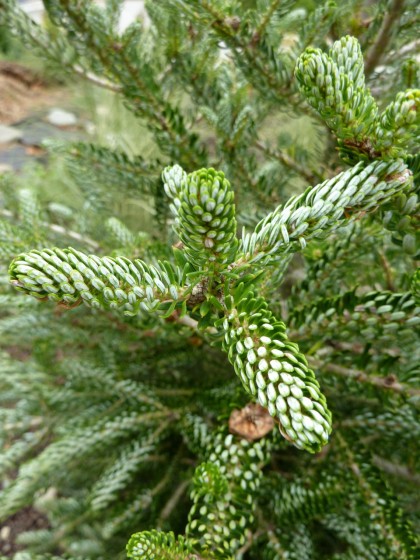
x=388, y=272
x=94, y=79
x=172, y=502
x=311, y=176
x=383, y=37
x=390, y=382
x=400, y=471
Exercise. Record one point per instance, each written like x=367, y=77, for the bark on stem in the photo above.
x=389, y=382
x=383, y=37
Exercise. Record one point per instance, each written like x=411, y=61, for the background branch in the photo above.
x=378, y=49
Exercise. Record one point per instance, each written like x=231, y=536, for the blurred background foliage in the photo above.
x=94, y=464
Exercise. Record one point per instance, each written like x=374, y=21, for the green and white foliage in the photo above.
x=274, y=281
x=223, y=500
x=295, y=544
x=204, y=215
x=387, y=309
x=223, y=495
x=152, y=545
x=334, y=85
x=275, y=373
x=69, y=277
x=322, y=209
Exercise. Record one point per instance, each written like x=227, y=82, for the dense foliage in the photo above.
x=246, y=375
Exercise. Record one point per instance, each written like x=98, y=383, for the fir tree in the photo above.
x=243, y=383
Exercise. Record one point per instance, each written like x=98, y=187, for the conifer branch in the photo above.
x=334, y=85
x=274, y=372
x=151, y=545
x=113, y=57
x=322, y=209
x=224, y=487
x=133, y=407
x=296, y=502
x=61, y=230
x=31, y=33
x=69, y=277
x=374, y=308
x=243, y=50
x=205, y=215
x=265, y=20
x=110, y=167
x=391, y=531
